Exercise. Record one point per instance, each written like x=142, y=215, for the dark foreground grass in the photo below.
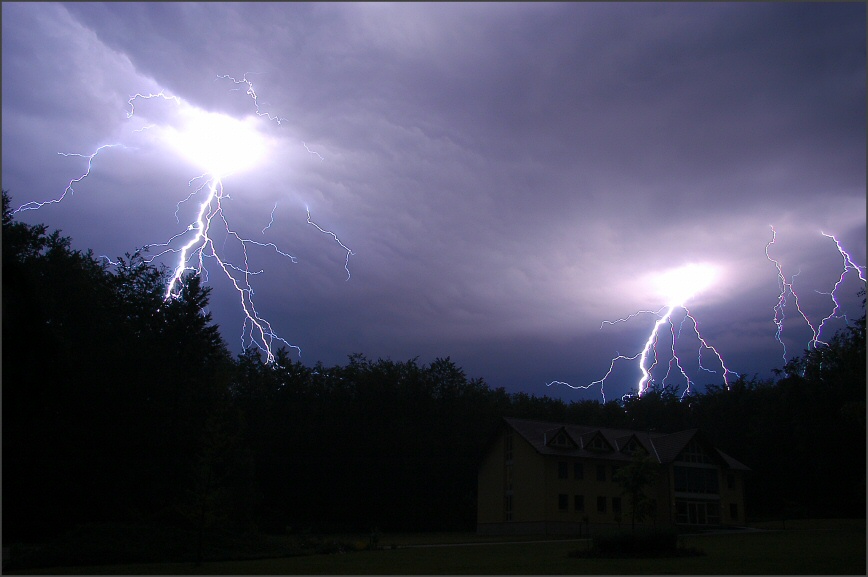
x=829, y=548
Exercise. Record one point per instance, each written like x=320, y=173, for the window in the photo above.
x=696, y=480
x=616, y=504
x=578, y=502
x=615, y=469
x=681, y=512
x=730, y=481
x=713, y=513
x=598, y=444
x=601, y=472
x=601, y=504
x=507, y=506
x=633, y=446
x=693, y=453
x=733, y=511
x=562, y=440
x=563, y=501
x=697, y=512
x=563, y=470
x=578, y=471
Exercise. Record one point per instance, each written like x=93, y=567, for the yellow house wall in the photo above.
x=529, y=481
x=536, y=489
x=729, y=496
x=591, y=489
x=489, y=502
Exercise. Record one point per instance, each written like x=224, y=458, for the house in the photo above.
x=546, y=478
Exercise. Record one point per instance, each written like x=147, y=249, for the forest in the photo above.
x=120, y=407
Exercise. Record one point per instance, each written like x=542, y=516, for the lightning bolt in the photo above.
x=334, y=236
x=272, y=219
x=251, y=92
x=69, y=187
x=787, y=290
x=848, y=265
x=314, y=152
x=649, y=357
x=161, y=94
x=600, y=382
x=256, y=330
x=197, y=239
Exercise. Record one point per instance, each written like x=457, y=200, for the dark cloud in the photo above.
x=507, y=175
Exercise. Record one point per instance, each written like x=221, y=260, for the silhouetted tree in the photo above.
x=108, y=387
x=635, y=479
x=120, y=405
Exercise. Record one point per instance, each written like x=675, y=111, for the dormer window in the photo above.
x=598, y=443
x=561, y=440
x=632, y=446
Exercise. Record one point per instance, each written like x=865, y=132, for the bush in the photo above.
x=647, y=543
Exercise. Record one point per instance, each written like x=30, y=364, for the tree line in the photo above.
x=122, y=407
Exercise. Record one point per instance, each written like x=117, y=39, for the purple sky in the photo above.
x=508, y=176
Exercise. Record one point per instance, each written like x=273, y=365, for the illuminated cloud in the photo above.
x=218, y=144
x=676, y=286
x=508, y=178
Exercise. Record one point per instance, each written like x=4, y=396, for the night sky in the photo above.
x=508, y=176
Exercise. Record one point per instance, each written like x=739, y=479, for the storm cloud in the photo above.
x=508, y=176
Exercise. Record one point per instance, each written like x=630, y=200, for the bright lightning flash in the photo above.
x=676, y=287
x=218, y=145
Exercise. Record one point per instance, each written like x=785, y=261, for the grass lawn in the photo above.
x=803, y=548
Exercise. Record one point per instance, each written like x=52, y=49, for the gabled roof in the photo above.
x=670, y=445
x=662, y=447
x=551, y=437
x=624, y=442
x=588, y=440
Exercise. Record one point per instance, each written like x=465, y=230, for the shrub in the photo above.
x=648, y=543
